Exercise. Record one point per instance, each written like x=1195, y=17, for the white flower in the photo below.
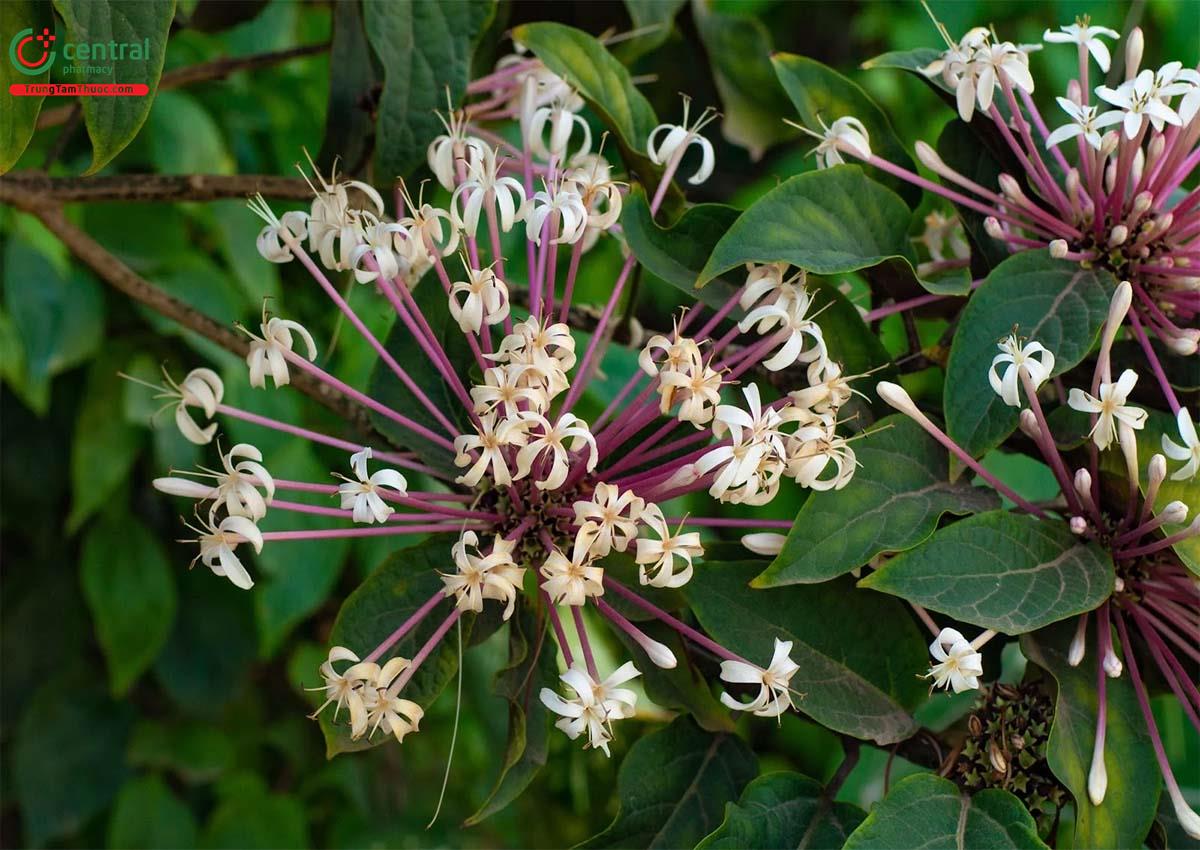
x=682, y=353
x=200, y=388
x=756, y=420
x=1033, y=357
x=1082, y=33
x=764, y=283
x=657, y=559
x=827, y=388
x=484, y=185
x=570, y=581
x=384, y=709
x=679, y=138
x=958, y=665
x=480, y=577
x=790, y=313
x=548, y=348
x=1138, y=99
x=266, y=352
x=486, y=300
x=958, y=70
x=1110, y=407
x=595, y=704
x=363, y=496
x=445, y=152
x=390, y=246
x=491, y=438
x=567, y=205
x=774, y=696
x=425, y=226
x=845, y=135
x=809, y=460
x=563, y=120
x=233, y=489
x=601, y=196
x=552, y=443
x=1189, y=451
x=994, y=62
x=1085, y=121
x=942, y=232
x=217, y=543
x=345, y=689
x=332, y=226
x=506, y=388
x=614, y=515
x=700, y=389
x=276, y=239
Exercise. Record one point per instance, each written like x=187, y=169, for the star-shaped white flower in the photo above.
x=279, y=235
x=486, y=300
x=553, y=444
x=505, y=388
x=614, y=514
x=788, y=314
x=1085, y=121
x=1033, y=357
x=958, y=665
x=493, y=435
x=774, y=695
x=1138, y=99
x=570, y=581
x=345, y=689
x=485, y=185
x=446, y=151
x=480, y=577
x=266, y=352
x=679, y=138
x=1085, y=35
x=1110, y=408
x=218, y=542
x=1189, y=451
x=233, y=489
x=562, y=203
x=363, y=495
x=201, y=388
x=667, y=561
x=595, y=704
x=845, y=135
x=562, y=118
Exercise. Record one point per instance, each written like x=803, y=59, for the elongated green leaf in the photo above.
x=141, y=25
x=20, y=113
x=1004, y=571
x=784, y=810
x=821, y=94
x=197, y=752
x=832, y=221
x=930, y=812
x=604, y=83
x=531, y=667
x=907, y=60
x=1056, y=302
x=104, y=447
x=353, y=73
x=147, y=815
x=256, y=820
x=677, y=253
x=959, y=148
x=894, y=501
x=653, y=20
x=392, y=593
x=1134, y=780
x=127, y=581
x=424, y=47
x=673, y=786
x=848, y=685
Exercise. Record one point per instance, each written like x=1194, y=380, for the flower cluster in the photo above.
x=538, y=491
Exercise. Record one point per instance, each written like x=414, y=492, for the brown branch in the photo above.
x=122, y=278
x=217, y=69
x=148, y=187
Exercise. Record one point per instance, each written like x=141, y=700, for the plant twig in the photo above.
x=215, y=70
x=851, y=747
x=148, y=187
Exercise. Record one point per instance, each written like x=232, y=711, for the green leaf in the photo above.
x=930, y=812
x=127, y=581
x=677, y=253
x=831, y=221
x=673, y=786
x=1000, y=570
x=20, y=113
x=105, y=446
x=848, y=684
x=256, y=819
x=197, y=752
x=531, y=666
x=388, y=389
x=1134, y=779
x=60, y=787
x=784, y=809
x=603, y=82
x=424, y=47
x=907, y=60
x=185, y=139
x=960, y=149
x=147, y=815
x=752, y=101
x=353, y=75
x=820, y=93
x=57, y=314
x=654, y=18
x=895, y=500
x=848, y=340
x=387, y=598
x=1056, y=302
x=112, y=122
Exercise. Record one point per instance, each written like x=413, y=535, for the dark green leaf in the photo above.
x=1134, y=779
x=930, y=812
x=424, y=47
x=185, y=139
x=127, y=581
x=1000, y=570
x=848, y=684
x=196, y=751
x=677, y=253
x=112, y=122
x=831, y=221
x=821, y=94
x=673, y=786
x=376, y=608
x=961, y=150
x=907, y=60
x=784, y=810
x=105, y=446
x=848, y=340
x=653, y=18
x=894, y=501
x=60, y=787
x=256, y=819
x=353, y=75
x=147, y=815
x=532, y=665
x=20, y=113
x=1056, y=302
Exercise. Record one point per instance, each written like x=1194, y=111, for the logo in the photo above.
x=32, y=54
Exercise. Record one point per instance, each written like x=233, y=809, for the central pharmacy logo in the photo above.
x=23, y=51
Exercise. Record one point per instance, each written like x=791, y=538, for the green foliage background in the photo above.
x=147, y=705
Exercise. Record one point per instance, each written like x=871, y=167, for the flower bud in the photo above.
x=1078, y=646
x=1029, y=424
x=1135, y=42
x=930, y=159
x=897, y=397
x=1142, y=202
x=1139, y=165
x=1154, y=150
x=1185, y=344
x=1187, y=818
x=764, y=543
x=1074, y=92
x=1118, y=307
x=683, y=477
x=1118, y=585
x=1097, y=778
x=1083, y=484
x=1078, y=525
x=1011, y=189
x=1156, y=470
x=1118, y=235
x=1109, y=142
x=1113, y=668
x=1073, y=183
x=1059, y=248
x=991, y=226
x=1173, y=513
x=657, y=652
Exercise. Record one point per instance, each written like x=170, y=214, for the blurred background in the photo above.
x=192, y=731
